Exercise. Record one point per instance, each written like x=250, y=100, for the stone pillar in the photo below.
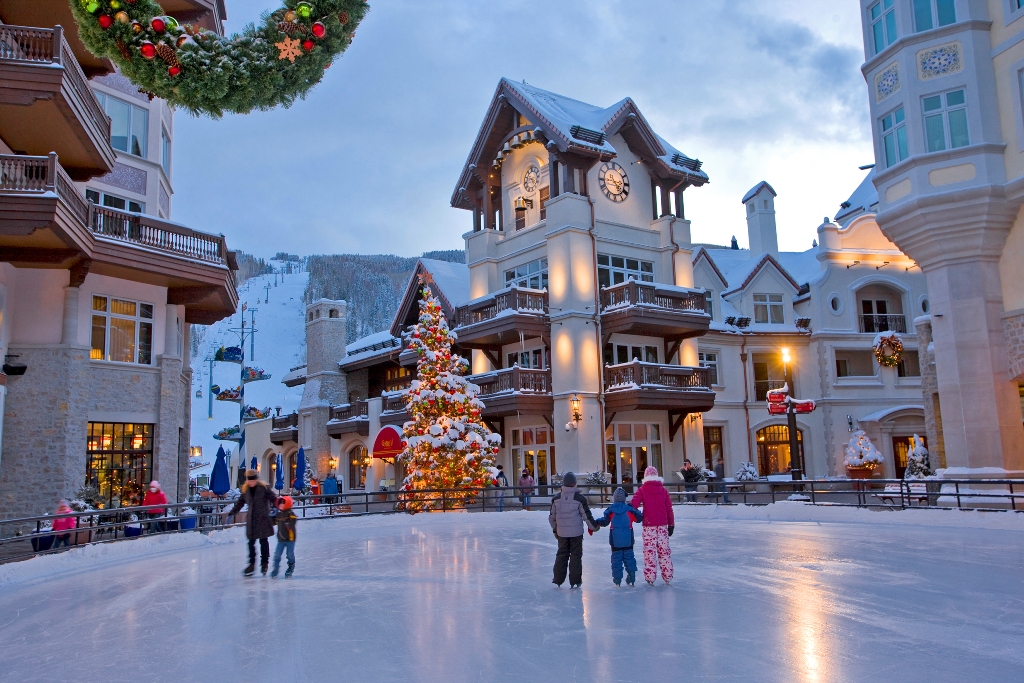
x=325, y=384
x=69, y=327
x=930, y=393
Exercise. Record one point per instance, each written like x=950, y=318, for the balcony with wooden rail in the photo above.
x=46, y=104
x=500, y=318
x=873, y=324
x=45, y=222
x=349, y=418
x=653, y=310
x=284, y=429
x=515, y=390
x=651, y=386
x=395, y=409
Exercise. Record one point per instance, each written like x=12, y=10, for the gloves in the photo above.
x=670, y=530
x=590, y=531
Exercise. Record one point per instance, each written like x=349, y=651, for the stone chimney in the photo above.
x=761, y=231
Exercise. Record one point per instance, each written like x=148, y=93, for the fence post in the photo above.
x=957, y=485
x=58, y=42
x=1013, y=501
x=51, y=172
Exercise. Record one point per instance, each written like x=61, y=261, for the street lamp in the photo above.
x=796, y=465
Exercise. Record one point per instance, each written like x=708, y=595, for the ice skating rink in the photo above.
x=468, y=597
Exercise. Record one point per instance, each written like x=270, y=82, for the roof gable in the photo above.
x=446, y=280
x=703, y=255
x=766, y=261
x=756, y=189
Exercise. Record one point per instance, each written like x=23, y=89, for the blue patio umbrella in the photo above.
x=254, y=465
x=300, y=470
x=279, y=482
x=220, y=481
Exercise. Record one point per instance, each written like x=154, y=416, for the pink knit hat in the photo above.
x=650, y=472
x=155, y=484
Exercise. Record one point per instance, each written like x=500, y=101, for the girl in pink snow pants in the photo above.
x=658, y=525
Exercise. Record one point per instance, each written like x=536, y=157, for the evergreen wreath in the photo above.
x=268, y=65
x=894, y=343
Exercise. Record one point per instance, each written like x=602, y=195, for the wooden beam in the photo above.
x=489, y=354
x=78, y=272
x=37, y=255
x=608, y=417
x=550, y=419
x=675, y=423
x=671, y=348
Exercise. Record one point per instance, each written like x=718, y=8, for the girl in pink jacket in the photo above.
x=658, y=525
x=63, y=524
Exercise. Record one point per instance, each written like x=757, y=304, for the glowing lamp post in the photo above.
x=783, y=402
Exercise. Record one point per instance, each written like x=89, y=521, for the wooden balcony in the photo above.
x=351, y=418
x=46, y=104
x=514, y=391
x=650, y=386
x=208, y=14
x=395, y=410
x=46, y=223
x=49, y=13
x=652, y=310
x=284, y=429
x=501, y=318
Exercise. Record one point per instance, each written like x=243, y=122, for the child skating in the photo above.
x=285, y=521
x=658, y=525
x=620, y=517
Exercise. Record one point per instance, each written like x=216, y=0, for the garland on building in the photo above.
x=888, y=347
x=267, y=65
x=446, y=444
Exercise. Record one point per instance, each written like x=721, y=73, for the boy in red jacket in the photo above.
x=659, y=523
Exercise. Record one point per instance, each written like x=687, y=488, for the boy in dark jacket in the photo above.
x=568, y=518
x=620, y=516
x=285, y=521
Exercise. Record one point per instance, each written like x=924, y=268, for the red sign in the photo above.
x=388, y=443
x=776, y=408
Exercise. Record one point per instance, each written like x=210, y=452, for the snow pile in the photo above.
x=860, y=452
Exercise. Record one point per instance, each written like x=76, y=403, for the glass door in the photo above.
x=630, y=449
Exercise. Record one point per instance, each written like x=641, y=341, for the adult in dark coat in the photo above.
x=260, y=498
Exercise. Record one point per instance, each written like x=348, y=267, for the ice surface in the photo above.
x=912, y=595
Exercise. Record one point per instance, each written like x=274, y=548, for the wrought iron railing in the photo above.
x=681, y=377
x=763, y=386
x=514, y=379
x=286, y=422
x=883, y=323
x=513, y=299
x=648, y=294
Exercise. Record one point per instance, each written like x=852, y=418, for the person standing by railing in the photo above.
x=501, y=481
x=691, y=476
x=63, y=522
x=526, y=486
x=155, y=496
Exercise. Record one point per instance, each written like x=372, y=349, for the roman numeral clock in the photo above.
x=614, y=182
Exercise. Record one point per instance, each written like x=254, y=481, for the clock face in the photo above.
x=614, y=182
x=531, y=179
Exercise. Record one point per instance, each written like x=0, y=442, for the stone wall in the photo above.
x=1013, y=331
x=45, y=430
x=358, y=384
x=930, y=392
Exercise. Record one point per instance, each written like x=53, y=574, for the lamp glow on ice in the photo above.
x=446, y=444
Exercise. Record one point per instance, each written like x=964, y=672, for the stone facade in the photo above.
x=325, y=384
x=930, y=392
x=1013, y=330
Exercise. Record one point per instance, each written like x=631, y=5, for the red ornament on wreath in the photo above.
x=174, y=70
x=105, y=21
x=318, y=30
x=148, y=49
x=158, y=24
x=308, y=45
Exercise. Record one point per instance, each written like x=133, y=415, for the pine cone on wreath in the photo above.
x=123, y=49
x=166, y=53
x=343, y=18
x=288, y=27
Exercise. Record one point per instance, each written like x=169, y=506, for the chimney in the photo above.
x=761, y=231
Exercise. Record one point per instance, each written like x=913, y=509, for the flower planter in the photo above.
x=859, y=472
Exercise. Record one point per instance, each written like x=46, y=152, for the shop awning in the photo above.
x=388, y=443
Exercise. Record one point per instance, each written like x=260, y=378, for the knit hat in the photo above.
x=63, y=504
x=252, y=474
x=619, y=496
x=154, y=484
x=650, y=472
x=285, y=503
x=568, y=479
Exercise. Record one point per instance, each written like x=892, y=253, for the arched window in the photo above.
x=333, y=313
x=357, y=458
x=773, y=449
x=311, y=316
x=293, y=463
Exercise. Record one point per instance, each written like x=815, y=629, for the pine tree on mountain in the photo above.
x=447, y=445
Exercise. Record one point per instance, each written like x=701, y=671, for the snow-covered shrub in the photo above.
x=918, y=465
x=598, y=479
x=860, y=452
x=80, y=506
x=746, y=472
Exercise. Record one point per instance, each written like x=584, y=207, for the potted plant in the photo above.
x=746, y=473
x=598, y=481
x=862, y=458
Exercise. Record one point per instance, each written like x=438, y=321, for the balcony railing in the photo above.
x=43, y=46
x=350, y=411
x=513, y=299
x=763, y=386
x=395, y=403
x=38, y=175
x=639, y=374
x=515, y=380
x=286, y=422
x=643, y=293
x=883, y=323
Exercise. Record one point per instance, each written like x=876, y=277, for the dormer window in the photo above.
x=768, y=309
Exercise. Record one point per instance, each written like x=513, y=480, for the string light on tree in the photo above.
x=447, y=446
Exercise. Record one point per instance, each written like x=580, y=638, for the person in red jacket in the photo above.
x=658, y=524
x=63, y=523
x=155, y=496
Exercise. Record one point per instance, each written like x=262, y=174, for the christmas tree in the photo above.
x=918, y=466
x=860, y=452
x=447, y=446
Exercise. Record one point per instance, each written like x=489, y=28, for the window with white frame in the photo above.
x=768, y=309
x=929, y=14
x=165, y=151
x=883, y=24
x=113, y=201
x=625, y=353
x=535, y=359
x=129, y=125
x=945, y=121
x=614, y=270
x=122, y=330
x=709, y=360
x=533, y=275
x=894, y=137
x=709, y=303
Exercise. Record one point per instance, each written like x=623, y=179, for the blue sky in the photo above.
x=758, y=90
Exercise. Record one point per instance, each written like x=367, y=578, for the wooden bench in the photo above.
x=898, y=492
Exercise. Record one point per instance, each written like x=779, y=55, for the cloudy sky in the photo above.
x=758, y=90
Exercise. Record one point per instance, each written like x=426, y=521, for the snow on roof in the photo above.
x=562, y=113
x=452, y=279
x=882, y=414
x=863, y=200
x=757, y=188
x=368, y=342
x=293, y=376
x=736, y=265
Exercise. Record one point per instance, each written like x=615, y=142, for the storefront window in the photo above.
x=632, y=448
x=539, y=458
x=773, y=449
x=119, y=461
x=357, y=467
x=712, y=446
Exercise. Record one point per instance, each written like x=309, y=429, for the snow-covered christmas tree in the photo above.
x=860, y=452
x=447, y=445
x=918, y=465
